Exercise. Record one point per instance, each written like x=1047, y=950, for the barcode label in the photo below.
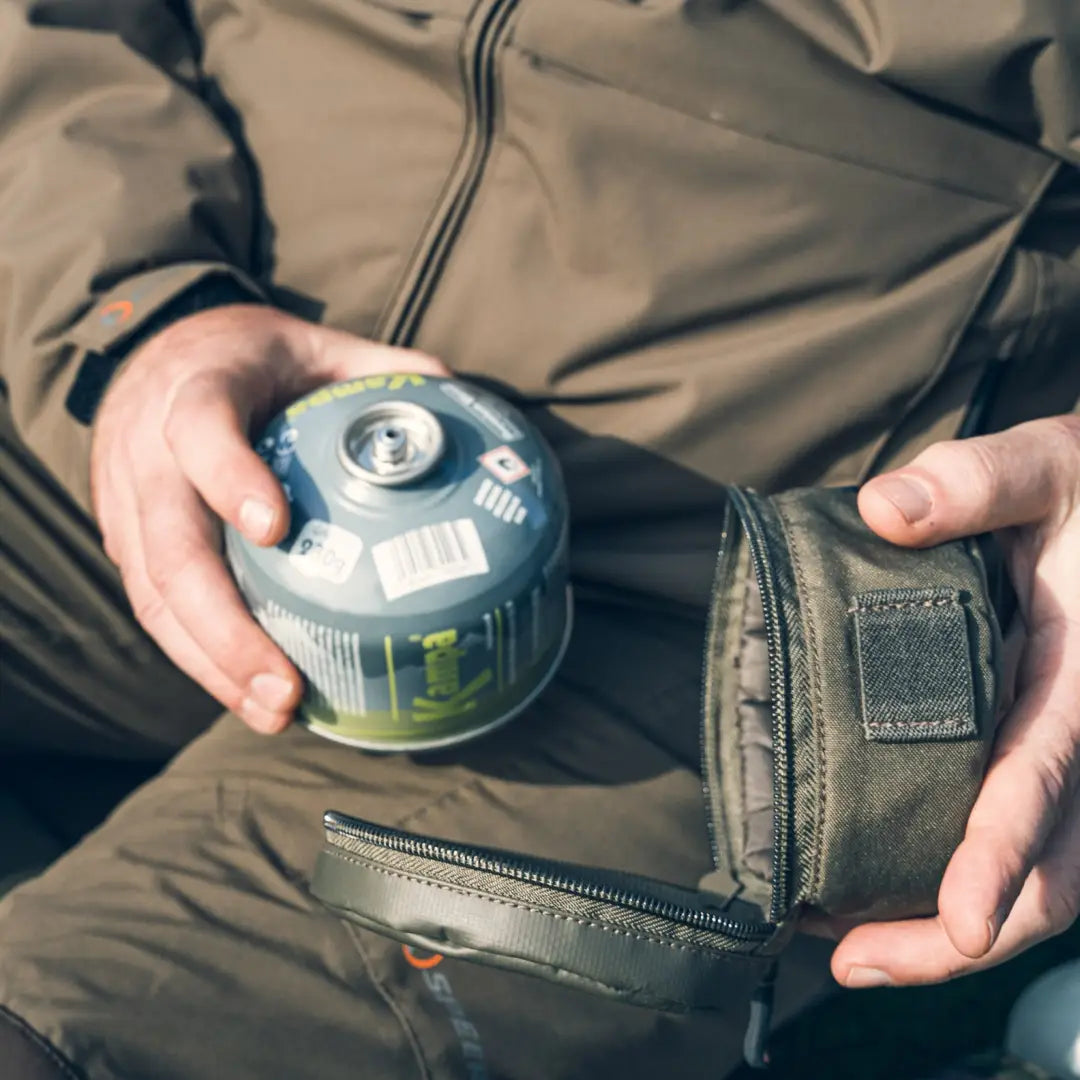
x=430, y=555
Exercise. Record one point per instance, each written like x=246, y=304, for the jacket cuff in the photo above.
x=137, y=309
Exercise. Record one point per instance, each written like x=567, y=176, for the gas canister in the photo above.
x=423, y=587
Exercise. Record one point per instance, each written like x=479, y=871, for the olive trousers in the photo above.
x=180, y=939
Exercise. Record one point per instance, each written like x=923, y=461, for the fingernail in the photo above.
x=271, y=692
x=908, y=496
x=255, y=716
x=865, y=978
x=256, y=519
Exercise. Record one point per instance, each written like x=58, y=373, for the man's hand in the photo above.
x=1015, y=879
x=171, y=457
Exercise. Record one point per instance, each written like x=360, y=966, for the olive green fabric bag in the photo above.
x=850, y=695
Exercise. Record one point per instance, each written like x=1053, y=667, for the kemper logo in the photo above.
x=442, y=671
x=326, y=394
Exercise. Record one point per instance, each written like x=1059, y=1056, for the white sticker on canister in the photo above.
x=502, y=502
x=430, y=555
x=325, y=551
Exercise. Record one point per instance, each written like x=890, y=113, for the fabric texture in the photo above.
x=914, y=662
x=772, y=244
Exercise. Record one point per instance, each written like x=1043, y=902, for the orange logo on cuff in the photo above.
x=119, y=311
x=421, y=962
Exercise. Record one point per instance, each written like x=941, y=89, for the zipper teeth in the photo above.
x=777, y=690
x=710, y=784
x=522, y=870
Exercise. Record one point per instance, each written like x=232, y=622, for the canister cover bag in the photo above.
x=849, y=706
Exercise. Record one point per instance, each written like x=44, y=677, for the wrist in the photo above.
x=99, y=368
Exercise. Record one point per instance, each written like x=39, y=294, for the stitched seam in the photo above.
x=903, y=725
x=816, y=708
x=42, y=1044
x=903, y=605
x=603, y=927
x=746, y=133
x=410, y=1034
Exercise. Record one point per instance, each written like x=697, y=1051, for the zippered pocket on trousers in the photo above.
x=628, y=937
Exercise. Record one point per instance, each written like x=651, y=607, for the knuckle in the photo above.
x=254, y=653
x=168, y=566
x=111, y=546
x=231, y=697
x=148, y=606
x=1057, y=906
x=970, y=465
x=1063, y=435
x=1055, y=771
x=983, y=469
x=160, y=578
x=1065, y=429
x=187, y=395
x=1064, y=912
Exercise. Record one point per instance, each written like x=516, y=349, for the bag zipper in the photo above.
x=709, y=730
x=573, y=881
x=401, y=316
x=754, y=531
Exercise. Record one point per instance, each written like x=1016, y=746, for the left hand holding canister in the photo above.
x=171, y=459
x=1015, y=878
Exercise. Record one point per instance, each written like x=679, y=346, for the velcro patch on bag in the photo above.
x=914, y=657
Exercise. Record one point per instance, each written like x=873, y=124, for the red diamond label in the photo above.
x=504, y=465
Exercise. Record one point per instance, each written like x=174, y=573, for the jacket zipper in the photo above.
x=521, y=868
x=778, y=682
x=402, y=314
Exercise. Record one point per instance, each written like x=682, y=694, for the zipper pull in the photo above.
x=755, y=1042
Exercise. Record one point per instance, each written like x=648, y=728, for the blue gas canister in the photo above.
x=423, y=587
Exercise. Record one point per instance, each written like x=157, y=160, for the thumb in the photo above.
x=965, y=487
x=337, y=355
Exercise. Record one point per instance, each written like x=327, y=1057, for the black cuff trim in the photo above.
x=98, y=368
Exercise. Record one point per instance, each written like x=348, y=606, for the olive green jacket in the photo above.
x=772, y=242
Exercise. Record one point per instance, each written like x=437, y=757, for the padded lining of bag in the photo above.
x=755, y=736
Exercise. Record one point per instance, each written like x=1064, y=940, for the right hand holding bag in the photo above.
x=1015, y=878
